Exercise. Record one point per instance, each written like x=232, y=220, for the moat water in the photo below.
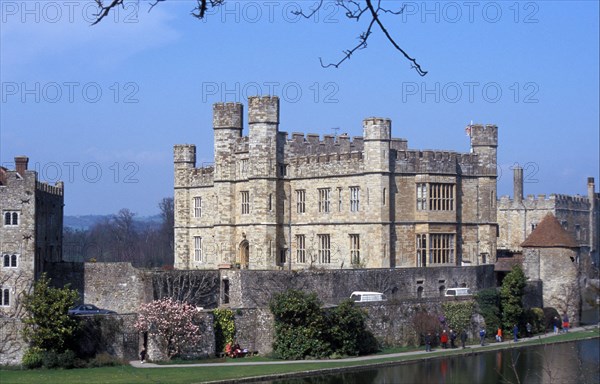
x=564, y=363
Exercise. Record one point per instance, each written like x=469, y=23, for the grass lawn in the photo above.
x=197, y=374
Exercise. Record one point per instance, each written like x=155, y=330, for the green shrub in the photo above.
x=51, y=360
x=535, y=317
x=33, y=358
x=224, y=327
x=488, y=302
x=104, y=360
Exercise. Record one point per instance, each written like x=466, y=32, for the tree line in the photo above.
x=120, y=238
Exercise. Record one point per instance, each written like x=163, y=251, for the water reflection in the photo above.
x=576, y=362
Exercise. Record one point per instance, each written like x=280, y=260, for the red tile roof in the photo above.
x=549, y=234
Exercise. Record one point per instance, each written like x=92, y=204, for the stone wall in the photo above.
x=12, y=344
x=250, y=289
x=116, y=286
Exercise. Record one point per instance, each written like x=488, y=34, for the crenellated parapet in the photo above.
x=228, y=116
x=299, y=145
x=483, y=135
x=57, y=189
x=377, y=128
x=263, y=109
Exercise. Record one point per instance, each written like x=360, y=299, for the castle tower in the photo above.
x=264, y=161
x=594, y=219
x=227, y=124
x=184, y=159
x=377, y=136
x=484, y=143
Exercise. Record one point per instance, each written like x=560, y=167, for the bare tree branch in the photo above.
x=354, y=10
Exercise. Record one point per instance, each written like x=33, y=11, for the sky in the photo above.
x=101, y=107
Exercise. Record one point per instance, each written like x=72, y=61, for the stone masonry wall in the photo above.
x=249, y=289
x=116, y=286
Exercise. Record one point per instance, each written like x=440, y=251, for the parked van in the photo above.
x=458, y=292
x=361, y=297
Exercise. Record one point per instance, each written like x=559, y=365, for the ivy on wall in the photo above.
x=458, y=314
x=224, y=326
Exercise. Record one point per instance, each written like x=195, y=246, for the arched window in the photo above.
x=13, y=261
x=420, y=292
x=7, y=220
x=6, y=262
x=4, y=297
x=15, y=218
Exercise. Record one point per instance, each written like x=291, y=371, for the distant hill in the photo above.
x=84, y=222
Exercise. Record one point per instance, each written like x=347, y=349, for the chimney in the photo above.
x=21, y=164
x=518, y=184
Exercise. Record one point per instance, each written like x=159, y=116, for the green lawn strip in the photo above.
x=188, y=375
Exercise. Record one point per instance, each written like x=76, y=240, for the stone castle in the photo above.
x=31, y=231
x=273, y=201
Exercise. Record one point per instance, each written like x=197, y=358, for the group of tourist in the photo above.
x=444, y=337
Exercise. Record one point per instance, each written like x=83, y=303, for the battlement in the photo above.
x=57, y=189
x=555, y=201
x=263, y=109
x=185, y=154
x=299, y=144
x=483, y=135
x=377, y=128
x=228, y=116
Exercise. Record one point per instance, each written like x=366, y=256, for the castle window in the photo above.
x=441, y=197
x=354, y=199
x=300, y=200
x=435, y=197
x=245, y=202
x=355, y=249
x=383, y=197
x=198, y=249
x=270, y=202
x=282, y=256
x=11, y=218
x=10, y=261
x=324, y=249
x=441, y=248
x=197, y=207
x=340, y=203
x=244, y=169
x=324, y=202
x=283, y=170
x=4, y=296
x=421, y=250
x=577, y=232
x=300, y=249
x=421, y=196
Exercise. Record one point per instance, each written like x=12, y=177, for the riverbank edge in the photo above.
x=408, y=357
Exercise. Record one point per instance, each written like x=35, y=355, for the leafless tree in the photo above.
x=355, y=10
x=193, y=287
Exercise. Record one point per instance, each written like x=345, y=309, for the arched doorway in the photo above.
x=244, y=254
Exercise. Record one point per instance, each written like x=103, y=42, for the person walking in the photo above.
x=499, y=334
x=428, y=342
x=463, y=338
x=516, y=332
x=452, y=339
x=143, y=355
x=444, y=339
x=565, y=323
x=555, y=324
x=528, y=328
x=482, y=335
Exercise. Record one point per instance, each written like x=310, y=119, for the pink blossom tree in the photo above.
x=170, y=322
